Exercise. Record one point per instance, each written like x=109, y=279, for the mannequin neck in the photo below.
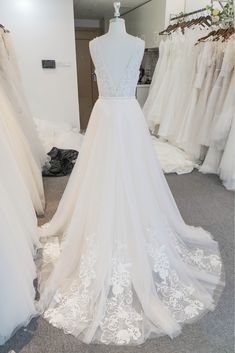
x=117, y=27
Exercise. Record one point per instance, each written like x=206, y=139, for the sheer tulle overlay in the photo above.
x=11, y=82
x=130, y=268
x=17, y=270
x=19, y=241
x=21, y=151
x=18, y=126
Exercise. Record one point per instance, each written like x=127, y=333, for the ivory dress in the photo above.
x=11, y=81
x=159, y=75
x=129, y=268
x=227, y=164
x=11, y=114
x=18, y=243
x=222, y=112
x=27, y=166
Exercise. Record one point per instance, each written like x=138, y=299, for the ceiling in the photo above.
x=98, y=9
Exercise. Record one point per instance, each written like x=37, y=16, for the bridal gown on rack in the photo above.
x=129, y=268
x=221, y=112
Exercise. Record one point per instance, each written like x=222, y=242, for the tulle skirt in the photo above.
x=129, y=268
x=227, y=165
x=27, y=165
x=18, y=244
x=17, y=272
x=10, y=81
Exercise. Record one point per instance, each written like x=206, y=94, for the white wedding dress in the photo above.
x=17, y=268
x=19, y=129
x=18, y=243
x=129, y=268
x=10, y=80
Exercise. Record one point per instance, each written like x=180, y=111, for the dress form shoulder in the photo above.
x=126, y=38
x=122, y=44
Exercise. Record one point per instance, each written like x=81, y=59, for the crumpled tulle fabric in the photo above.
x=171, y=158
x=60, y=135
x=129, y=267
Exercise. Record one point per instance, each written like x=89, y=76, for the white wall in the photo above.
x=147, y=21
x=192, y=5
x=44, y=29
x=174, y=7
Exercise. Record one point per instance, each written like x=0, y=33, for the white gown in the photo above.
x=11, y=81
x=18, y=243
x=27, y=166
x=16, y=191
x=130, y=268
x=227, y=164
x=17, y=271
x=158, y=77
x=222, y=116
x=190, y=125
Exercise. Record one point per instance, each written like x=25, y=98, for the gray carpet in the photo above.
x=203, y=201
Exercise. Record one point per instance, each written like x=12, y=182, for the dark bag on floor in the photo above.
x=62, y=162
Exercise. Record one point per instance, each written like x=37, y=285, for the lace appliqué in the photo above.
x=71, y=310
x=121, y=323
x=51, y=251
x=176, y=295
x=127, y=84
x=206, y=262
x=121, y=319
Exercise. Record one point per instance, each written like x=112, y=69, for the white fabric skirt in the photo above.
x=18, y=243
x=27, y=165
x=129, y=268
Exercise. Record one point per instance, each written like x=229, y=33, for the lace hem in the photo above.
x=114, y=314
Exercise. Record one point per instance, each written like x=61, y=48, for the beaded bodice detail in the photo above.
x=126, y=85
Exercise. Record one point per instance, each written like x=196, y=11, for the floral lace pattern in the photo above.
x=75, y=302
x=51, y=251
x=73, y=312
x=121, y=319
x=207, y=262
x=178, y=296
x=121, y=323
x=127, y=84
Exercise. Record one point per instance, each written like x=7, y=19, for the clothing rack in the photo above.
x=188, y=14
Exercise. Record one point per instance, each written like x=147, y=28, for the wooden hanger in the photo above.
x=202, y=20
x=224, y=33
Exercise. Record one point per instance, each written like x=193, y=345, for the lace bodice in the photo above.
x=126, y=85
